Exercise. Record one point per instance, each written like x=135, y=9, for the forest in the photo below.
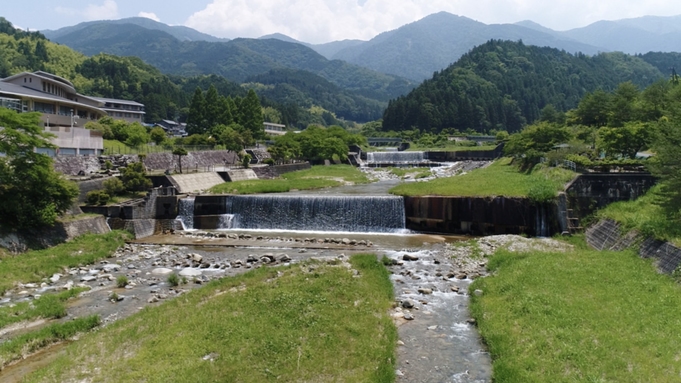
x=503, y=85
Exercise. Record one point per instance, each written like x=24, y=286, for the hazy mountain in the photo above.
x=181, y=33
x=638, y=35
x=282, y=37
x=418, y=49
x=329, y=50
x=236, y=59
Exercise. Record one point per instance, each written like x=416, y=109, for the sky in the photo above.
x=320, y=21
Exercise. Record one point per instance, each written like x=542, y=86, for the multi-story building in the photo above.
x=275, y=129
x=64, y=111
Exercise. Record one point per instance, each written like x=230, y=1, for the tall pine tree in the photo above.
x=250, y=115
x=196, y=123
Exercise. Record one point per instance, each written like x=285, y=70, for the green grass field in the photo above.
x=303, y=323
x=317, y=177
x=499, y=179
x=33, y=266
x=581, y=316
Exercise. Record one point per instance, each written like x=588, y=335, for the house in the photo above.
x=64, y=111
x=275, y=129
x=172, y=128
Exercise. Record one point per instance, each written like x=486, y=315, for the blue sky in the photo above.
x=319, y=21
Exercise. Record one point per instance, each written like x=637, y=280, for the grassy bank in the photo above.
x=26, y=344
x=317, y=177
x=582, y=316
x=500, y=178
x=644, y=215
x=51, y=306
x=304, y=323
x=33, y=266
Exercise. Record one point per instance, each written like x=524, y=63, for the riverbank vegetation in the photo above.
x=583, y=315
x=311, y=322
x=318, y=177
x=33, y=266
x=501, y=178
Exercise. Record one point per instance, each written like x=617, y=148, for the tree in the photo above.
x=179, y=152
x=665, y=165
x=134, y=177
x=250, y=115
x=158, y=135
x=32, y=194
x=137, y=135
x=625, y=141
x=196, y=123
x=212, y=109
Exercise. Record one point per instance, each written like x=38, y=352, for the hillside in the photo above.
x=180, y=32
x=418, y=49
x=502, y=85
x=236, y=60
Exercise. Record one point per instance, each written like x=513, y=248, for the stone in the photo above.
x=425, y=291
x=284, y=258
x=197, y=258
x=189, y=272
x=161, y=271
x=152, y=299
x=477, y=293
x=410, y=258
x=471, y=321
x=111, y=267
x=88, y=278
x=431, y=328
x=55, y=278
x=455, y=289
x=407, y=303
x=251, y=259
x=408, y=316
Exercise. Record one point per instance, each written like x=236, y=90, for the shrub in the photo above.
x=97, y=197
x=121, y=281
x=108, y=165
x=114, y=186
x=173, y=279
x=246, y=160
x=269, y=161
x=541, y=191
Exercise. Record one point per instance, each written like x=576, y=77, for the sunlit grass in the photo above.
x=499, y=179
x=581, y=316
x=304, y=323
x=35, y=265
x=317, y=177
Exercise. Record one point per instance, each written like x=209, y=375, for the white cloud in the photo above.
x=107, y=10
x=149, y=15
x=319, y=21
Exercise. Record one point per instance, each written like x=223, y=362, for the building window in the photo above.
x=43, y=107
x=64, y=110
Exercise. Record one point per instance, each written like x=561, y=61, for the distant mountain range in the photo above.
x=414, y=51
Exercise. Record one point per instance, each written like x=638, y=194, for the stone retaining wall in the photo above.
x=608, y=235
x=270, y=172
x=59, y=233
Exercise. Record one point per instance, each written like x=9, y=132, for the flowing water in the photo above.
x=186, y=213
x=395, y=157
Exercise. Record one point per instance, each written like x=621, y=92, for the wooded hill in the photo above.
x=168, y=97
x=503, y=85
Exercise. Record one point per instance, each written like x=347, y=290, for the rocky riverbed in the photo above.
x=438, y=340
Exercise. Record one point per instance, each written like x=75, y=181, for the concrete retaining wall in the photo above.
x=270, y=172
x=479, y=216
x=463, y=155
x=60, y=233
x=590, y=192
x=607, y=235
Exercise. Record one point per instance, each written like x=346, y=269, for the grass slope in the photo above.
x=33, y=266
x=645, y=215
x=500, y=178
x=317, y=177
x=304, y=323
x=582, y=316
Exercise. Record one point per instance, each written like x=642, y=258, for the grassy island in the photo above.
x=500, y=178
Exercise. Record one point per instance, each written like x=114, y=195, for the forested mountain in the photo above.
x=236, y=60
x=165, y=97
x=305, y=90
x=502, y=85
x=180, y=32
x=418, y=49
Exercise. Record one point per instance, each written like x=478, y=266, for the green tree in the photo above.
x=158, y=135
x=212, y=109
x=625, y=141
x=665, y=165
x=134, y=177
x=179, y=152
x=196, y=120
x=250, y=115
x=32, y=194
x=137, y=135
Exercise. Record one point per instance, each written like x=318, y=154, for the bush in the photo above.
x=121, y=281
x=97, y=197
x=114, y=186
x=579, y=160
x=541, y=191
x=134, y=177
x=108, y=165
x=246, y=161
x=269, y=161
x=173, y=280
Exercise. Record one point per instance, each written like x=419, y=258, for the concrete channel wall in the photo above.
x=590, y=192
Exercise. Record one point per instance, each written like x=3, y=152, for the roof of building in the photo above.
x=22, y=91
x=116, y=101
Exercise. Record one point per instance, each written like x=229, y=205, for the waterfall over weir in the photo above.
x=396, y=157
x=377, y=214
x=186, y=213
